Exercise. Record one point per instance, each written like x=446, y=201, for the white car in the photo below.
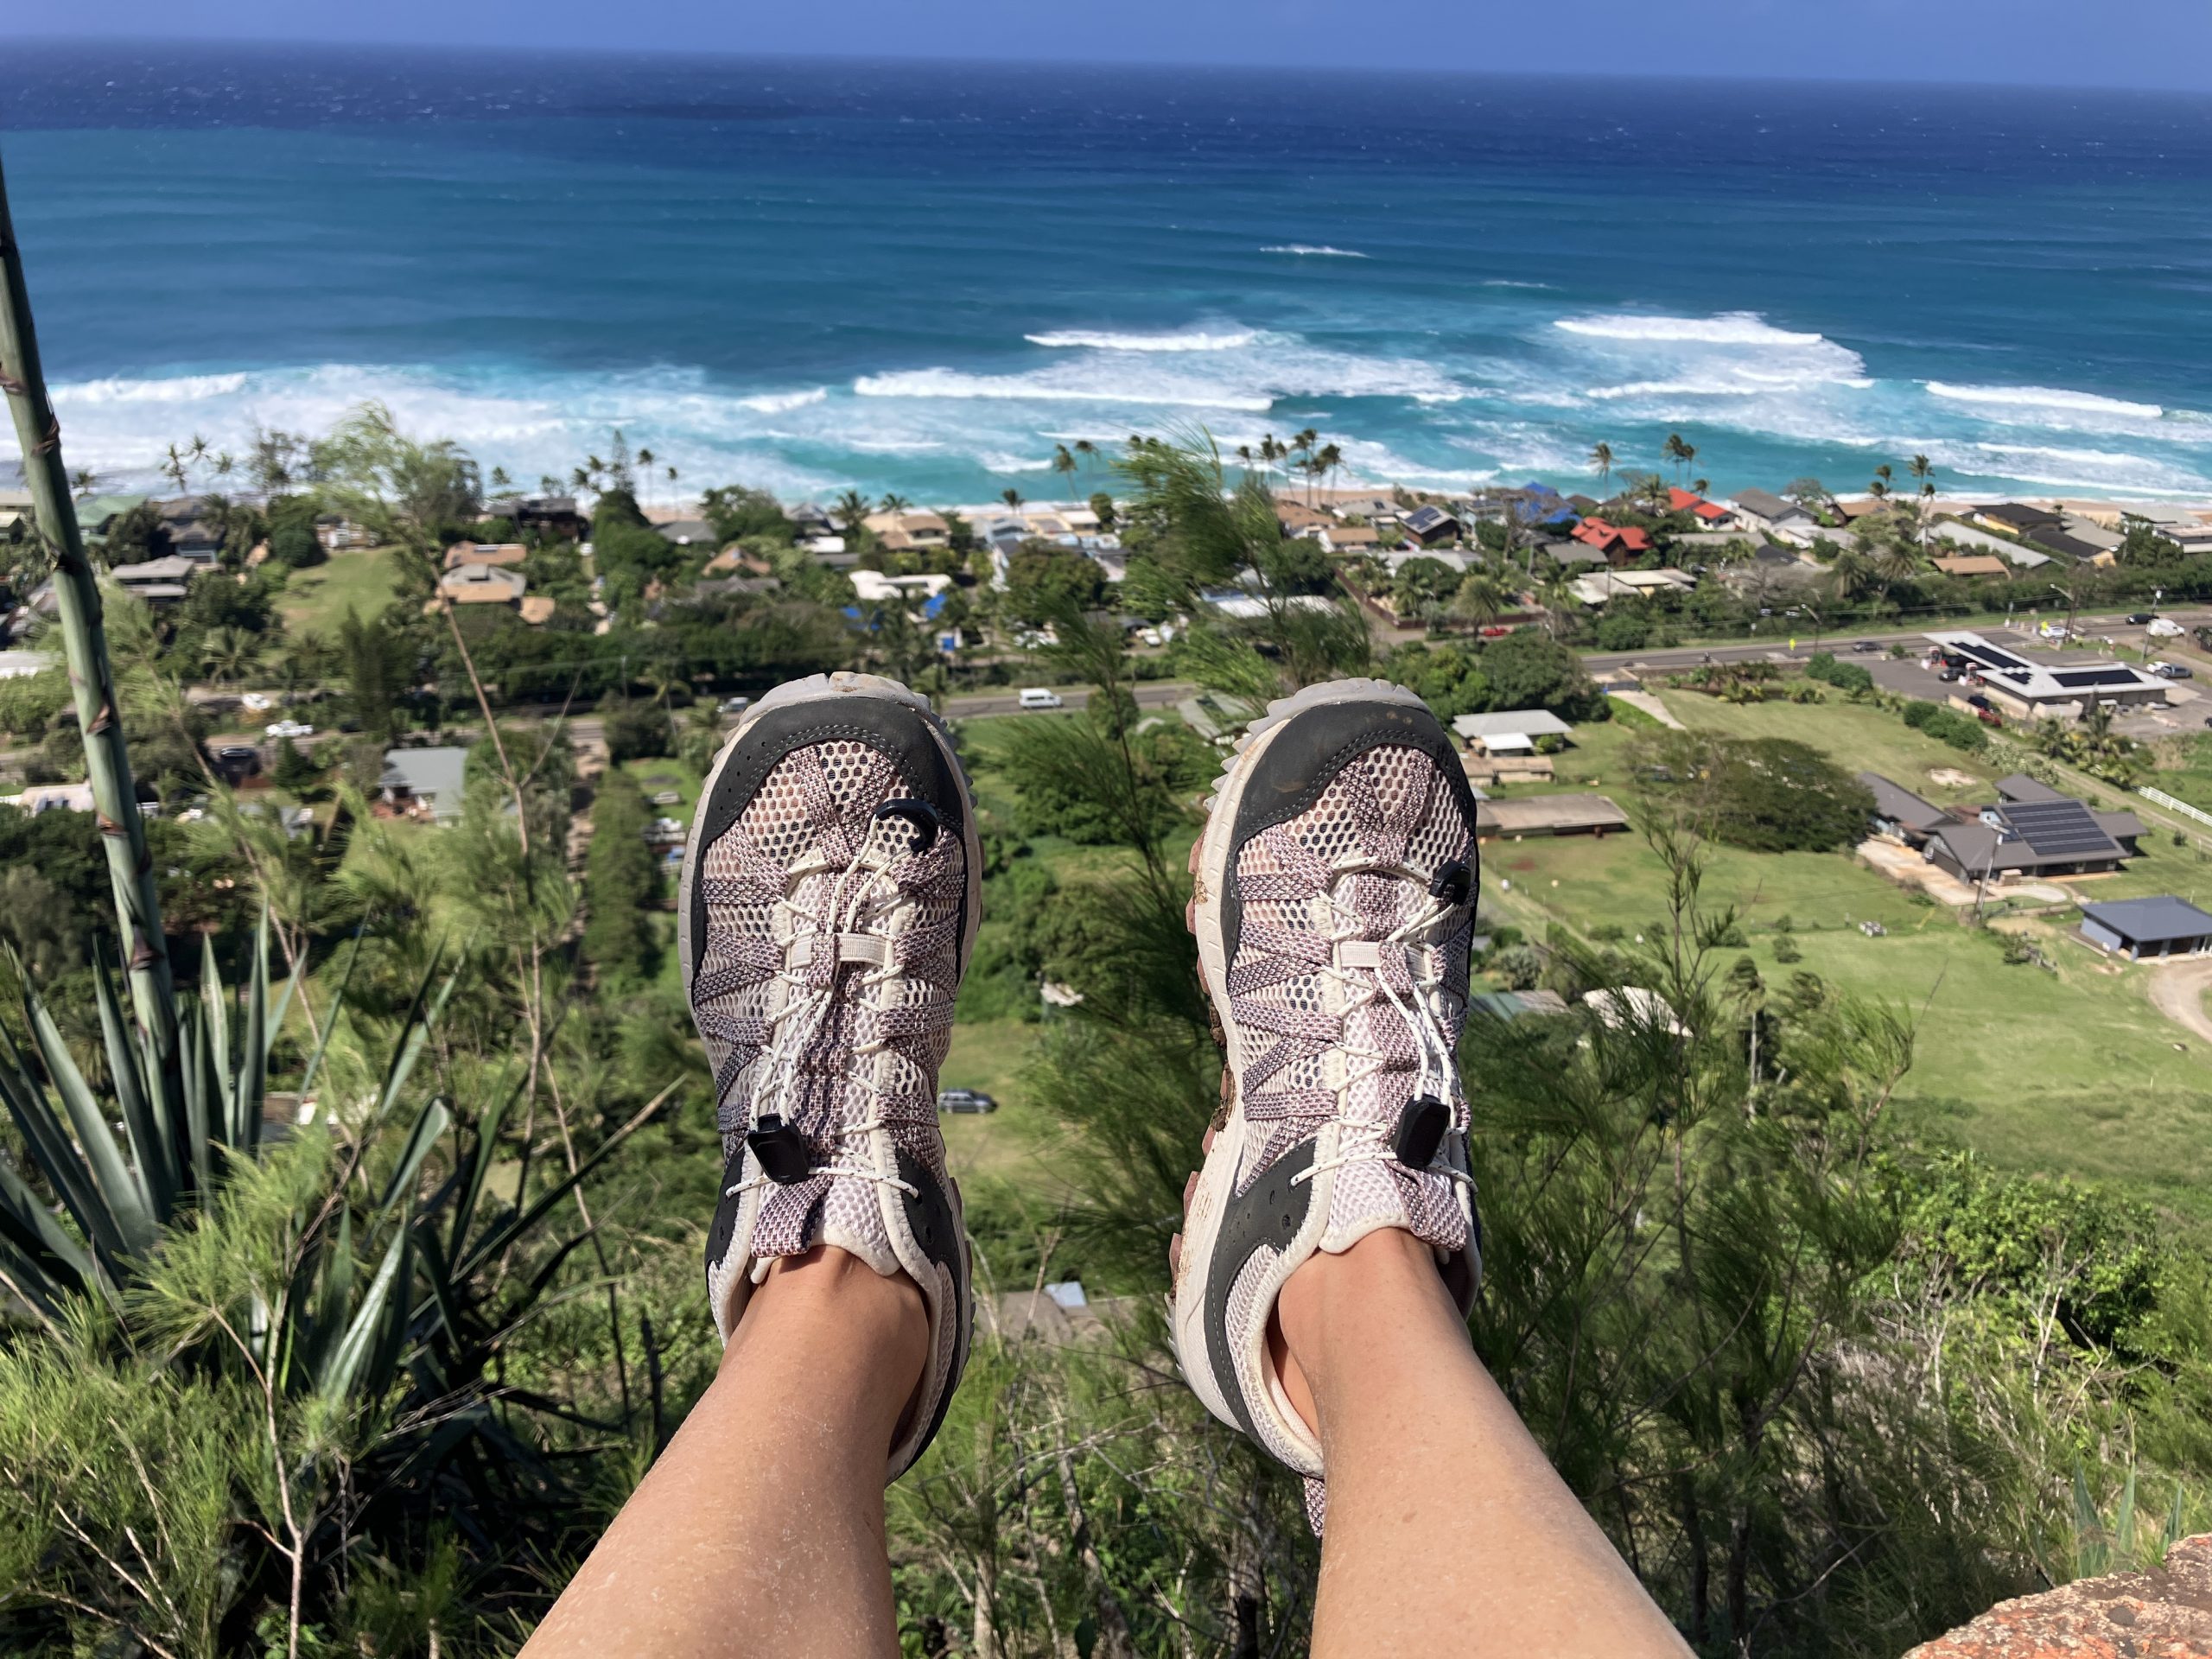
x=2163, y=628
x=2052, y=631
x=289, y=728
x=1037, y=697
x=257, y=700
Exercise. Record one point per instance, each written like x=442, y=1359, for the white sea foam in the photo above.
x=1728, y=328
x=2044, y=399
x=1103, y=340
x=998, y=460
x=1312, y=251
x=178, y=389
x=1027, y=388
x=1508, y=281
x=775, y=403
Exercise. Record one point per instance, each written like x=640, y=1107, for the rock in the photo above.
x=2163, y=1614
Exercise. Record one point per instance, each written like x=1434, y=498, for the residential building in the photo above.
x=2137, y=928
x=14, y=507
x=872, y=587
x=1431, y=525
x=51, y=797
x=482, y=584
x=159, y=582
x=2031, y=830
x=1971, y=564
x=1575, y=555
x=2017, y=518
x=1711, y=514
x=2021, y=557
x=336, y=534
x=1772, y=516
x=1502, y=748
x=424, y=784
x=1612, y=584
x=1349, y=539
x=198, y=540
x=22, y=665
x=1622, y=544
x=1509, y=1006
x=1369, y=507
x=2027, y=690
x=688, y=532
x=899, y=532
x=1549, y=815
x=505, y=555
x=555, y=515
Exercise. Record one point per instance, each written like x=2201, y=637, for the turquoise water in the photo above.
x=921, y=278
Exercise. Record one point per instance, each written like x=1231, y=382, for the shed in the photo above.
x=1550, y=815
x=2136, y=928
x=1514, y=729
x=426, y=782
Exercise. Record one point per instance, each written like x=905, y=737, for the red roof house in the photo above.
x=1710, y=513
x=1620, y=544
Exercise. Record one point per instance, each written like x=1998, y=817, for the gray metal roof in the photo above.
x=1899, y=805
x=438, y=775
x=2149, y=920
x=1519, y=722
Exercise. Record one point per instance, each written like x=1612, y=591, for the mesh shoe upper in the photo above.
x=1348, y=985
x=825, y=983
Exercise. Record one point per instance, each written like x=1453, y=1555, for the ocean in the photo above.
x=808, y=274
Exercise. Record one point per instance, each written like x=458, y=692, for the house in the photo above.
x=1430, y=525
x=688, y=533
x=2017, y=518
x=505, y=555
x=1622, y=544
x=1710, y=514
x=22, y=665
x=1575, y=555
x=424, y=784
x=2028, y=690
x=2071, y=546
x=1296, y=518
x=1613, y=584
x=1549, y=815
x=555, y=515
x=2030, y=829
x=1502, y=748
x=873, y=588
x=1971, y=564
x=1950, y=532
x=14, y=507
x=51, y=797
x=1771, y=515
x=158, y=582
x=94, y=513
x=1369, y=507
x=482, y=584
x=198, y=540
x=2082, y=529
x=2137, y=928
x=1633, y=1008
x=898, y=531
x=1351, y=538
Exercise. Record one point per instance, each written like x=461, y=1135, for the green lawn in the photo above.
x=663, y=776
x=315, y=599
x=1858, y=736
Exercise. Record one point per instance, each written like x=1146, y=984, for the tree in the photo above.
x=621, y=881
x=407, y=492
x=376, y=661
x=1809, y=494
x=1449, y=678
x=852, y=510
x=137, y=536
x=1044, y=581
x=1012, y=497
x=1767, y=795
x=1479, y=598
x=229, y=654
x=1601, y=462
x=291, y=532
x=1676, y=450
x=1425, y=583
x=1529, y=669
x=1064, y=463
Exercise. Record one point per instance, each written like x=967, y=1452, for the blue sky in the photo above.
x=2050, y=42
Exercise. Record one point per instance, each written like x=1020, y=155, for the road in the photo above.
x=1150, y=694
x=2178, y=991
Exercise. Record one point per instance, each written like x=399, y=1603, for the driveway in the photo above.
x=2178, y=991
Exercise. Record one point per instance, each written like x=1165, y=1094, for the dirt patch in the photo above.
x=2177, y=990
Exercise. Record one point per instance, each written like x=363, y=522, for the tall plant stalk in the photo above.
x=91, y=679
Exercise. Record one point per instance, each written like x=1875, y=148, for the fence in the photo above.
x=2159, y=798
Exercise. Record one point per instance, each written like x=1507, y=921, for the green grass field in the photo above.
x=316, y=599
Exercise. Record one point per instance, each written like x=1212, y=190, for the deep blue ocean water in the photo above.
x=921, y=277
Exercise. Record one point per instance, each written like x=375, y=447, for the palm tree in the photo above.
x=1012, y=497
x=230, y=654
x=1882, y=476
x=84, y=483
x=1480, y=600
x=1332, y=459
x=1687, y=455
x=500, y=480
x=851, y=507
x=1672, y=449
x=1064, y=463
x=645, y=460
x=1655, y=493
x=1601, y=462
x=1088, y=450
x=893, y=502
x=668, y=472
x=1244, y=456
x=1701, y=487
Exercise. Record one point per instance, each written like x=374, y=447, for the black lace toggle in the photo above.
x=1451, y=882
x=923, y=817
x=1421, y=1131
x=780, y=1150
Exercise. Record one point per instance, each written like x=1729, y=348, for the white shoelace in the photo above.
x=806, y=1007
x=1361, y=1139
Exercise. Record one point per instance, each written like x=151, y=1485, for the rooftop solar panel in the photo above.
x=2096, y=677
x=2059, y=829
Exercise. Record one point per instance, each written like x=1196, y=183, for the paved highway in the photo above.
x=1150, y=694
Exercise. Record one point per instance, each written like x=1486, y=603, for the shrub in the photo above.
x=1947, y=725
x=636, y=731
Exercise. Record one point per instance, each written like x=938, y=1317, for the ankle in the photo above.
x=1342, y=1312
x=831, y=1324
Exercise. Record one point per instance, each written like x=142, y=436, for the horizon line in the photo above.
x=1090, y=63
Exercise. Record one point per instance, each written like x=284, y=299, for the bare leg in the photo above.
x=760, y=1528
x=1448, y=1532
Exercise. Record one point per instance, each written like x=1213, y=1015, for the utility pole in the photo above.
x=92, y=680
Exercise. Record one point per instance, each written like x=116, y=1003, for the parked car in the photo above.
x=1866, y=646
x=2169, y=670
x=1495, y=631
x=2163, y=628
x=1989, y=716
x=2142, y=619
x=736, y=705
x=1037, y=697
x=289, y=728
x=2053, y=631
x=965, y=1100
x=1949, y=676
x=1979, y=702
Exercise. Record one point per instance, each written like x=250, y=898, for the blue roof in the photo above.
x=2152, y=920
